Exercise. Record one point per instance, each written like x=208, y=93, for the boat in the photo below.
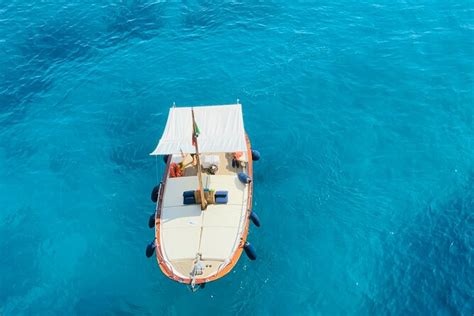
x=204, y=200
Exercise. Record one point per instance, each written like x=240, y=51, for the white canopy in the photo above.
x=221, y=127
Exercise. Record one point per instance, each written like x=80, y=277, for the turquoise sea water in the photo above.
x=363, y=112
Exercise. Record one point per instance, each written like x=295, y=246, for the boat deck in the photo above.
x=225, y=166
x=213, y=234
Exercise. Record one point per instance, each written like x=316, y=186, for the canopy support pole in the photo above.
x=198, y=160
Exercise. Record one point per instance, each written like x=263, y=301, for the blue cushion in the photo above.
x=189, y=200
x=188, y=193
x=222, y=200
x=221, y=193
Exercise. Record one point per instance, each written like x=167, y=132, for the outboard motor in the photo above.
x=250, y=251
x=244, y=178
x=255, y=155
x=255, y=219
x=150, y=249
x=151, y=221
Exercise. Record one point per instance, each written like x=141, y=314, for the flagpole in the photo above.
x=198, y=160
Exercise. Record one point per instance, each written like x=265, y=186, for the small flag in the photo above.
x=196, y=133
x=196, y=130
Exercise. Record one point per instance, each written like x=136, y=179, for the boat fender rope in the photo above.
x=154, y=193
x=250, y=251
x=151, y=221
x=244, y=178
x=150, y=249
x=255, y=155
x=255, y=219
